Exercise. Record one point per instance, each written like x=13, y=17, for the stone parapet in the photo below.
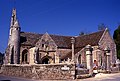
x=41, y=72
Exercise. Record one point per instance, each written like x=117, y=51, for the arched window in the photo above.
x=12, y=56
x=25, y=56
x=79, y=59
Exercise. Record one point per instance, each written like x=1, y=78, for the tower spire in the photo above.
x=14, y=39
x=13, y=18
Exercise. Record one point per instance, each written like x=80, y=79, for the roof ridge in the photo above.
x=91, y=33
x=44, y=33
x=60, y=35
x=30, y=32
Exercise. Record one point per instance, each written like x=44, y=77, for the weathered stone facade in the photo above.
x=31, y=49
x=106, y=40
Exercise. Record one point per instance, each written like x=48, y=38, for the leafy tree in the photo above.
x=116, y=37
x=82, y=33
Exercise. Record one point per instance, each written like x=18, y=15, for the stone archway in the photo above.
x=46, y=60
x=25, y=56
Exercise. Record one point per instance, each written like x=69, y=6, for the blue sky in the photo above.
x=61, y=17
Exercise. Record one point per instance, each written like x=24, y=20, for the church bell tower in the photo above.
x=14, y=39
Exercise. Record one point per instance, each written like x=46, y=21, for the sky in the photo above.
x=61, y=17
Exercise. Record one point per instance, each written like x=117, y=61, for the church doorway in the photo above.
x=24, y=56
x=46, y=60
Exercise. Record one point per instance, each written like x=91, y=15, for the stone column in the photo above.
x=57, y=59
x=89, y=59
x=107, y=52
x=73, y=43
x=32, y=55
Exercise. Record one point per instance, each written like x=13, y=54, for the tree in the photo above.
x=82, y=33
x=116, y=37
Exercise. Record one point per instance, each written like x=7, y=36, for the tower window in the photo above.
x=42, y=45
x=17, y=28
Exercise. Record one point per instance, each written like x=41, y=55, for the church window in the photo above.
x=17, y=28
x=25, y=56
x=79, y=59
x=46, y=47
x=12, y=55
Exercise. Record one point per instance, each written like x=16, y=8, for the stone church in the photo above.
x=31, y=48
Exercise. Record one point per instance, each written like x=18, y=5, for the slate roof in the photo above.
x=32, y=38
x=27, y=38
x=91, y=39
x=62, y=41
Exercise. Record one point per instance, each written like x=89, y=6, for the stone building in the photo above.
x=32, y=48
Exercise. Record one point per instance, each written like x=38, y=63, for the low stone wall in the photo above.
x=80, y=71
x=44, y=71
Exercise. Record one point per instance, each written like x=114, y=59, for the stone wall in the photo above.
x=44, y=71
x=82, y=71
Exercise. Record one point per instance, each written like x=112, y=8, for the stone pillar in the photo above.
x=89, y=59
x=73, y=43
x=57, y=59
x=31, y=55
x=107, y=52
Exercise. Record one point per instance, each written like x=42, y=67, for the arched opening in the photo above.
x=24, y=57
x=79, y=59
x=46, y=60
x=12, y=56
